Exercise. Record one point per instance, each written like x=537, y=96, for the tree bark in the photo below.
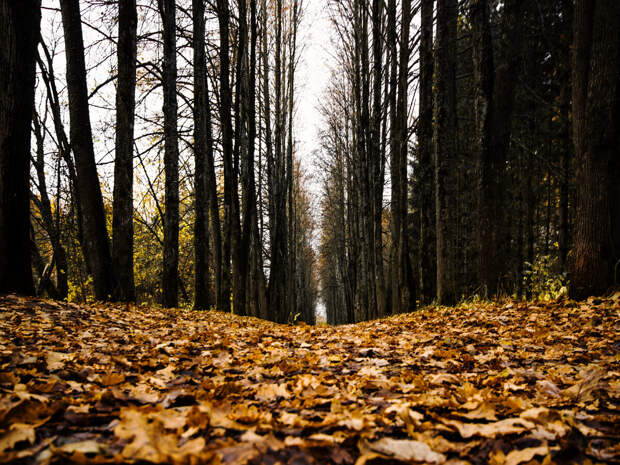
x=170, y=282
x=95, y=232
x=202, y=290
x=426, y=267
x=445, y=149
x=122, y=219
x=20, y=25
x=596, y=119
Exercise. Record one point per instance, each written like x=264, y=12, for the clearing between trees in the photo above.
x=495, y=383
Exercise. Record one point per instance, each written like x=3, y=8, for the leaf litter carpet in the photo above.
x=501, y=384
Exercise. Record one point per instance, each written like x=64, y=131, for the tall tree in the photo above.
x=495, y=94
x=445, y=149
x=202, y=294
x=406, y=283
x=230, y=184
x=595, y=256
x=20, y=23
x=279, y=249
x=122, y=219
x=425, y=155
x=95, y=232
x=167, y=11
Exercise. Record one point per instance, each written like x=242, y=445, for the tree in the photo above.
x=445, y=149
x=20, y=23
x=167, y=10
x=122, y=220
x=95, y=232
x=426, y=269
x=595, y=253
x=202, y=294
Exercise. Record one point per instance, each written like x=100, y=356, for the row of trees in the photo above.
x=500, y=137
x=209, y=86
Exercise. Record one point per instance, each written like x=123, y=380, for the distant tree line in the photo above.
x=193, y=104
x=477, y=154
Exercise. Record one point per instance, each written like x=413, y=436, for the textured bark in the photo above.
x=240, y=250
x=395, y=223
x=170, y=282
x=377, y=160
x=203, y=297
x=484, y=77
x=277, y=278
x=122, y=220
x=96, y=240
x=596, y=120
x=20, y=25
x=445, y=150
x=227, y=147
x=406, y=284
x=426, y=267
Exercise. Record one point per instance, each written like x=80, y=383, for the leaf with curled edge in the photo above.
x=406, y=450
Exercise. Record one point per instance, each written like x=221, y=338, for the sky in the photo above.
x=313, y=76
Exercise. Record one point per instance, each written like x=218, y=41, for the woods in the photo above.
x=295, y=232
x=466, y=150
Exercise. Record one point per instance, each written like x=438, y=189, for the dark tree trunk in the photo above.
x=426, y=252
x=445, y=150
x=122, y=220
x=95, y=232
x=277, y=278
x=395, y=224
x=484, y=77
x=170, y=282
x=202, y=289
x=406, y=284
x=227, y=145
x=596, y=118
x=377, y=159
x=20, y=25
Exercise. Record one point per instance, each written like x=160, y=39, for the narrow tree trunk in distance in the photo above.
x=596, y=112
x=170, y=282
x=45, y=207
x=20, y=25
x=202, y=288
x=122, y=219
x=95, y=232
x=445, y=149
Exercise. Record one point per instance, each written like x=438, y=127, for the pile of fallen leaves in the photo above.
x=500, y=384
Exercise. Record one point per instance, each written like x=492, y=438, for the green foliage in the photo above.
x=543, y=280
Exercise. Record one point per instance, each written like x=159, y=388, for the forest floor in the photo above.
x=506, y=383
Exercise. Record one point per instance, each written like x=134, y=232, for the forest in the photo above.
x=190, y=274
x=466, y=150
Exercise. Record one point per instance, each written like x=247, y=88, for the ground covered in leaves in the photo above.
x=506, y=384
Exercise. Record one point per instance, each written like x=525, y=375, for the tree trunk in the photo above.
x=202, y=288
x=95, y=232
x=122, y=220
x=20, y=25
x=406, y=283
x=377, y=159
x=596, y=112
x=445, y=149
x=170, y=283
x=426, y=267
